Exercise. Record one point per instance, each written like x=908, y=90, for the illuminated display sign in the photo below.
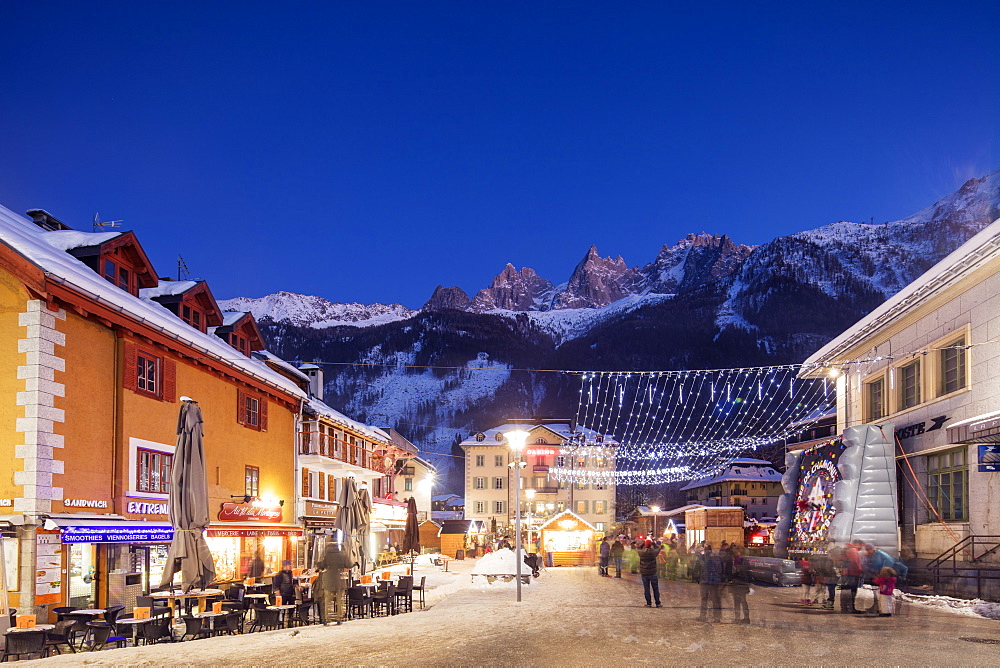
x=542, y=452
x=117, y=534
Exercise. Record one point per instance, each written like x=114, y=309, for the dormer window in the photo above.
x=192, y=316
x=118, y=274
x=240, y=343
x=480, y=437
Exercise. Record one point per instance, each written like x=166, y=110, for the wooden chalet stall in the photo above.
x=568, y=540
x=723, y=523
x=461, y=535
x=430, y=536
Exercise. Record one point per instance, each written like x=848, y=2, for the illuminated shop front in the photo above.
x=388, y=523
x=568, y=540
x=249, y=540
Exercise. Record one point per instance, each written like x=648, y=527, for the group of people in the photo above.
x=653, y=558
x=847, y=568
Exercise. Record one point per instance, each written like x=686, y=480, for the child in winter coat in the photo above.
x=886, y=582
x=808, y=579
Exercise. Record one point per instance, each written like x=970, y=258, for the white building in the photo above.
x=416, y=480
x=490, y=482
x=927, y=361
x=753, y=484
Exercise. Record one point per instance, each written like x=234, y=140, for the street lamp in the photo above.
x=656, y=510
x=516, y=440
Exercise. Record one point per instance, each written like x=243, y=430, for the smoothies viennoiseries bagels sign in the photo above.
x=250, y=512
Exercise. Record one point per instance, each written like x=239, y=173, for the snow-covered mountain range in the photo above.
x=705, y=301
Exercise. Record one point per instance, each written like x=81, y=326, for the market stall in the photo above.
x=568, y=540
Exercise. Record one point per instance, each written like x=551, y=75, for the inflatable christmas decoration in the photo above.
x=840, y=491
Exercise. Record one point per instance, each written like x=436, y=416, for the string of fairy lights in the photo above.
x=667, y=426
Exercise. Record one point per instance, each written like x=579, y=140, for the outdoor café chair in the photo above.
x=154, y=631
x=234, y=623
x=385, y=598
x=404, y=593
x=194, y=627
x=98, y=635
x=266, y=620
x=302, y=615
x=60, y=636
x=421, y=588
x=62, y=611
x=357, y=599
x=25, y=643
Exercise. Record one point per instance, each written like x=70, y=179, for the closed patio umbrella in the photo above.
x=411, y=537
x=189, y=516
x=348, y=524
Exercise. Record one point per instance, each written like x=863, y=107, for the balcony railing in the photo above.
x=540, y=468
x=546, y=490
x=325, y=445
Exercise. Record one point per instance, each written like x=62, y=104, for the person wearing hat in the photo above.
x=283, y=583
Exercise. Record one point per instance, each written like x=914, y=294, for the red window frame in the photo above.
x=149, y=374
x=118, y=273
x=150, y=460
x=193, y=316
x=251, y=410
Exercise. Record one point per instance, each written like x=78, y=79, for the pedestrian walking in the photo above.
x=850, y=578
x=825, y=578
x=886, y=582
x=647, y=569
x=605, y=557
x=283, y=584
x=726, y=555
x=808, y=579
x=710, y=578
x=633, y=557
x=740, y=589
x=617, y=552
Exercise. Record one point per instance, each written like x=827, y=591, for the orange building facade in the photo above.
x=91, y=375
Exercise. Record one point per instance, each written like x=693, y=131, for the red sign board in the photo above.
x=251, y=533
x=249, y=512
x=541, y=452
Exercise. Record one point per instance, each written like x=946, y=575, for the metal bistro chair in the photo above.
x=303, y=614
x=99, y=635
x=420, y=589
x=266, y=620
x=154, y=631
x=234, y=623
x=25, y=643
x=194, y=627
x=111, y=614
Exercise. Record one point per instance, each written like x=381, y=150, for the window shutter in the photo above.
x=331, y=488
x=130, y=372
x=305, y=482
x=169, y=380
x=241, y=406
x=262, y=420
x=322, y=486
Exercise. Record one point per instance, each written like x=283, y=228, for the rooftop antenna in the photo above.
x=99, y=224
x=182, y=269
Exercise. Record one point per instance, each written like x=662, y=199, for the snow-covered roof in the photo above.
x=445, y=497
x=309, y=367
x=423, y=462
x=230, y=318
x=268, y=356
x=24, y=237
x=973, y=254
x=646, y=511
x=67, y=240
x=165, y=288
x=554, y=520
x=747, y=469
x=316, y=406
x=563, y=430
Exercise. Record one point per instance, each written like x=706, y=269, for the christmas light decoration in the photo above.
x=679, y=425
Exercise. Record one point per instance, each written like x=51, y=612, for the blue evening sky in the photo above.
x=368, y=151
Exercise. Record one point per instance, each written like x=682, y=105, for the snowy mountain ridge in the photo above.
x=316, y=312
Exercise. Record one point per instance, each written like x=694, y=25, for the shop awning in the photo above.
x=252, y=530
x=107, y=529
x=984, y=428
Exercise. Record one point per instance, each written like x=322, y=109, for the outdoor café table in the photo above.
x=36, y=627
x=201, y=594
x=89, y=612
x=211, y=617
x=132, y=622
x=283, y=610
x=256, y=587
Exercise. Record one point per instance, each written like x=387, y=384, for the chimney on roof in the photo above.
x=315, y=374
x=46, y=220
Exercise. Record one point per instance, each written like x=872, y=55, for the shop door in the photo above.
x=82, y=575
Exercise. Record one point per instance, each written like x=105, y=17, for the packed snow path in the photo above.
x=574, y=617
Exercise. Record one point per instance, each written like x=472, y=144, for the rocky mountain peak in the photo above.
x=597, y=282
x=695, y=260
x=512, y=290
x=443, y=298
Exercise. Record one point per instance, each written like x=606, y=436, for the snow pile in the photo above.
x=975, y=607
x=501, y=562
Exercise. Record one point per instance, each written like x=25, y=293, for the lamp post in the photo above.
x=656, y=512
x=516, y=440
